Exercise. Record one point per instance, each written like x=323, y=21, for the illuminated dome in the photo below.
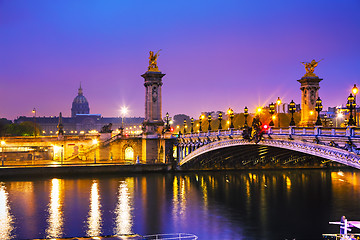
x=80, y=105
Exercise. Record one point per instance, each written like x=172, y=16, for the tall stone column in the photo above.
x=153, y=122
x=309, y=93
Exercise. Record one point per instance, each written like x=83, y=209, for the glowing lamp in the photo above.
x=355, y=90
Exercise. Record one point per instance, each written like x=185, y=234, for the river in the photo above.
x=251, y=205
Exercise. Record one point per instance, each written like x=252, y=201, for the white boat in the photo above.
x=345, y=228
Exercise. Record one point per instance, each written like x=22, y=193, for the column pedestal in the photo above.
x=309, y=93
x=153, y=123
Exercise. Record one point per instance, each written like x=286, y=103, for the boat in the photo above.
x=345, y=228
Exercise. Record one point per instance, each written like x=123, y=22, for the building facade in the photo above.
x=81, y=121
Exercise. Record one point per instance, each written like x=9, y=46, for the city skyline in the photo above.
x=215, y=56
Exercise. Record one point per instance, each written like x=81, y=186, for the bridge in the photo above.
x=333, y=144
x=284, y=146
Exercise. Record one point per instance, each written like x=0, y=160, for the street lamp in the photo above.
x=271, y=111
x=124, y=111
x=185, y=126
x=292, y=109
x=246, y=114
x=220, y=119
x=350, y=105
x=231, y=115
x=355, y=90
x=3, y=143
x=209, y=120
x=258, y=111
x=167, y=127
x=34, y=112
x=200, y=121
x=318, y=108
x=192, y=125
x=278, y=102
x=95, y=142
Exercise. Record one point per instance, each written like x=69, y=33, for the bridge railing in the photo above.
x=299, y=131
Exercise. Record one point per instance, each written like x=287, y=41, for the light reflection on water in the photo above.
x=233, y=205
x=56, y=219
x=94, y=217
x=6, y=219
x=123, y=211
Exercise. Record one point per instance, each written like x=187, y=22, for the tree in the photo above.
x=3, y=125
x=22, y=129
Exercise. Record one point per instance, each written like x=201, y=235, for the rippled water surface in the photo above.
x=213, y=205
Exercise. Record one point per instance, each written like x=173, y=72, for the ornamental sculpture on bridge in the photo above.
x=153, y=61
x=310, y=67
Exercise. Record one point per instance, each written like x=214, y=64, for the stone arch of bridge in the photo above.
x=327, y=152
x=128, y=151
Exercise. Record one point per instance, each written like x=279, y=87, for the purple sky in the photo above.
x=216, y=54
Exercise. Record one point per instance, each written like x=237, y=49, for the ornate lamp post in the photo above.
x=355, y=90
x=271, y=111
x=34, y=112
x=167, y=127
x=278, y=102
x=292, y=109
x=200, y=121
x=350, y=105
x=185, y=126
x=220, y=119
x=246, y=114
x=318, y=108
x=209, y=120
x=231, y=115
x=192, y=125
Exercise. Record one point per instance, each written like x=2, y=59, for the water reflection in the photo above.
x=94, y=218
x=6, y=220
x=179, y=198
x=56, y=219
x=212, y=205
x=123, y=211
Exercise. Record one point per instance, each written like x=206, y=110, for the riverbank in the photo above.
x=75, y=170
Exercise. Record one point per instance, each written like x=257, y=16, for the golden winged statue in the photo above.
x=153, y=61
x=310, y=67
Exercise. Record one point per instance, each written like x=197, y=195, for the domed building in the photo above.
x=80, y=104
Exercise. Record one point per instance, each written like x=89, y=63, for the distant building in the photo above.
x=81, y=121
